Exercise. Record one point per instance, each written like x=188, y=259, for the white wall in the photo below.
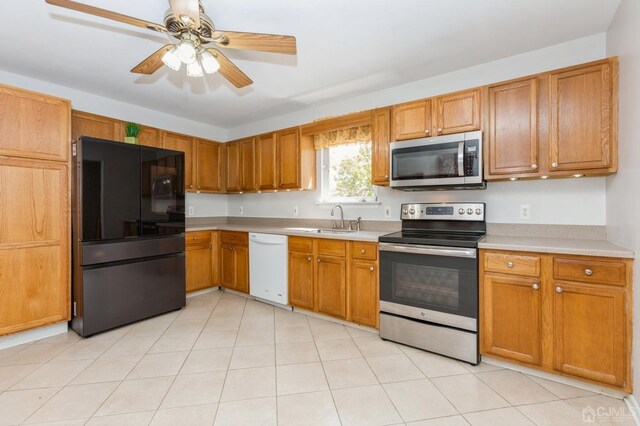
x=623, y=195
x=89, y=102
x=207, y=205
x=566, y=201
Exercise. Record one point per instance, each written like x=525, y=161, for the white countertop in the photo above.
x=576, y=246
x=371, y=236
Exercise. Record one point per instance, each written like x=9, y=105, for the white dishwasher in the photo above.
x=268, y=267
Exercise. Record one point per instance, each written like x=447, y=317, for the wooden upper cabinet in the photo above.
x=96, y=126
x=234, y=167
x=412, y=120
x=512, y=318
x=583, y=111
x=150, y=136
x=380, y=138
x=248, y=163
x=209, y=166
x=266, y=162
x=512, y=139
x=34, y=125
x=178, y=142
x=589, y=332
x=458, y=112
x=288, y=151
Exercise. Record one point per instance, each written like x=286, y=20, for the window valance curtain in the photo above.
x=342, y=137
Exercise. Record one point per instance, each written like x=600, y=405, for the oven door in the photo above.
x=429, y=283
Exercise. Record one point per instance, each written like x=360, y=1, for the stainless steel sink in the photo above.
x=335, y=231
x=303, y=229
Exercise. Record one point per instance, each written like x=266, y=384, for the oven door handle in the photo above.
x=461, y=159
x=431, y=250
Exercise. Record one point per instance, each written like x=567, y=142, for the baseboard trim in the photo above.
x=556, y=378
x=32, y=335
x=204, y=291
x=634, y=408
x=335, y=320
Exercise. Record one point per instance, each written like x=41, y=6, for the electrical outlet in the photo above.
x=525, y=211
x=191, y=211
x=241, y=210
x=296, y=211
x=387, y=211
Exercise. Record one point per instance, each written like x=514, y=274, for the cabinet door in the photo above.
x=330, y=291
x=301, y=279
x=459, y=112
x=288, y=143
x=380, y=137
x=34, y=125
x=363, y=291
x=242, y=268
x=178, y=142
x=227, y=266
x=248, y=164
x=209, y=166
x=589, y=332
x=150, y=136
x=266, y=161
x=234, y=167
x=511, y=325
x=34, y=244
x=96, y=126
x=412, y=120
x=198, y=266
x=513, y=128
x=580, y=130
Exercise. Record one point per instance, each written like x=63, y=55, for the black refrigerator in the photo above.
x=128, y=233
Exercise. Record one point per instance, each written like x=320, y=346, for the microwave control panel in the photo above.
x=471, y=161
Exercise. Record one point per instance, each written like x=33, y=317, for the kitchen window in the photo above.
x=345, y=165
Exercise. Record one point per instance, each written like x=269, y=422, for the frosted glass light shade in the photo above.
x=170, y=59
x=194, y=69
x=209, y=63
x=186, y=52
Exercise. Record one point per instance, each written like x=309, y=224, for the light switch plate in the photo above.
x=191, y=211
x=525, y=211
x=296, y=212
x=387, y=211
x=241, y=210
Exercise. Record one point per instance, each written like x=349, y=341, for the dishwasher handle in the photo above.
x=268, y=239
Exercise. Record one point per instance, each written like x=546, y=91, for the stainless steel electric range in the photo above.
x=429, y=279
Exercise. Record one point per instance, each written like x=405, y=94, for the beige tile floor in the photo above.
x=226, y=360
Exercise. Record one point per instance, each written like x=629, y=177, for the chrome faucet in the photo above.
x=335, y=224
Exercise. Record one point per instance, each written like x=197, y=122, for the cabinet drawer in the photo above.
x=331, y=247
x=528, y=266
x=301, y=244
x=234, y=237
x=366, y=251
x=590, y=271
x=196, y=239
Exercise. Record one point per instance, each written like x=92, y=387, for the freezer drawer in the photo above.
x=121, y=293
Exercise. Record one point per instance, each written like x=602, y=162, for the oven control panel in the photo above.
x=443, y=211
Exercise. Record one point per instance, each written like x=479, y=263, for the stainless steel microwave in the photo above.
x=442, y=162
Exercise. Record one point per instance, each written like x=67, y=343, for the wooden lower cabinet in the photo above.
x=579, y=327
x=512, y=325
x=331, y=290
x=335, y=277
x=234, y=261
x=200, y=263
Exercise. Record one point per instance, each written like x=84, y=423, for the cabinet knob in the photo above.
x=195, y=238
x=440, y=130
x=308, y=258
x=559, y=290
x=209, y=245
x=362, y=251
x=427, y=131
x=510, y=264
x=371, y=268
x=190, y=186
x=386, y=176
x=588, y=272
x=535, y=286
x=554, y=165
x=318, y=260
x=534, y=166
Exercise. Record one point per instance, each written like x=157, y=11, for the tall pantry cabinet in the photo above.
x=34, y=210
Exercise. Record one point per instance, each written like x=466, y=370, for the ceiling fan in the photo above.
x=197, y=40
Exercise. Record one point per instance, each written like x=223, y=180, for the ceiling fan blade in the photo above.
x=186, y=8
x=91, y=10
x=229, y=70
x=153, y=62
x=256, y=41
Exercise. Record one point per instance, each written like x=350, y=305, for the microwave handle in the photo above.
x=461, y=159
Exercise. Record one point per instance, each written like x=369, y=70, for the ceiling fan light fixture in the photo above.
x=171, y=59
x=194, y=69
x=186, y=52
x=209, y=62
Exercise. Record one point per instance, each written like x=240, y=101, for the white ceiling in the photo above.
x=345, y=48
